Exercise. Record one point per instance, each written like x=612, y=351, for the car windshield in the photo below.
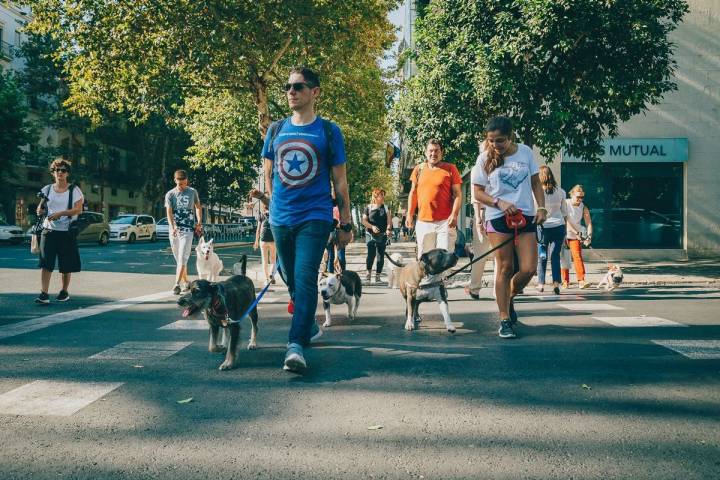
x=123, y=220
x=162, y=221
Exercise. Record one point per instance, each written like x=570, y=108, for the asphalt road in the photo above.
x=586, y=392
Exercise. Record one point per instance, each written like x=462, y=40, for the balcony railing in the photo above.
x=6, y=51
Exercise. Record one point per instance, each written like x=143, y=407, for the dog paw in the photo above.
x=226, y=365
x=450, y=327
x=252, y=346
x=409, y=325
x=218, y=349
x=327, y=324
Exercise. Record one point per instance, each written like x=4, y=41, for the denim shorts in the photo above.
x=498, y=225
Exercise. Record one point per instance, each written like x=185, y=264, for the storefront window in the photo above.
x=633, y=205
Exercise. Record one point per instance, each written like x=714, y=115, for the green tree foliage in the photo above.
x=566, y=71
x=15, y=132
x=216, y=67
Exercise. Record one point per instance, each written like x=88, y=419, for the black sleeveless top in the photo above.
x=379, y=218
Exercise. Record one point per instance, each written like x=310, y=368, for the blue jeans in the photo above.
x=552, y=243
x=299, y=250
x=331, y=258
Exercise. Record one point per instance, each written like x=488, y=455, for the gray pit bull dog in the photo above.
x=421, y=282
x=220, y=302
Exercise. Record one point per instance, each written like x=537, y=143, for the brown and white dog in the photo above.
x=222, y=304
x=612, y=279
x=421, y=281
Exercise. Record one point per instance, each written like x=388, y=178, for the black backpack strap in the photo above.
x=327, y=127
x=275, y=128
x=70, y=196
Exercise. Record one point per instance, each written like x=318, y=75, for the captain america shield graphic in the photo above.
x=297, y=162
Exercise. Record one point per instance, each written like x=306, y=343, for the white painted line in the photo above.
x=44, y=397
x=272, y=300
x=391, y=352
x=589, y=306
x=101, y=262
x=136, y=264
x=554, y=298
x=694, y=349
x=38, y=323
x=186, y=325
x=140, y=350
x=350, y=328
x=639, y=322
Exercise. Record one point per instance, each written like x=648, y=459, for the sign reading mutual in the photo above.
x=645, y=150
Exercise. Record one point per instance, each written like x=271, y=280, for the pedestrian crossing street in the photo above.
x=66, y=398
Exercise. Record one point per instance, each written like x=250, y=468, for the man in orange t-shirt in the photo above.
x=436, y=195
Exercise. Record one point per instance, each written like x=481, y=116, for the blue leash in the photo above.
x=257, y=299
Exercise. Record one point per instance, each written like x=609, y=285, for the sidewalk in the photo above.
x=690, y=272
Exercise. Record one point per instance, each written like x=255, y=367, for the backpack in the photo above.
x=276, y=127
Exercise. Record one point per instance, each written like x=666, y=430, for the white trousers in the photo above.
x=181, y=246
x=480, y=245
x=431, y=235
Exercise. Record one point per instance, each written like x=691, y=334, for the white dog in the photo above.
x=393, y=281
x=612, y=279
x=208, y=263
x=345, y=287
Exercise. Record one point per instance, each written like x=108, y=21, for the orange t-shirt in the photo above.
x=434, y=190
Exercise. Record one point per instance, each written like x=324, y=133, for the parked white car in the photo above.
x=162, y=229
x=11, y=233
x=129, y=228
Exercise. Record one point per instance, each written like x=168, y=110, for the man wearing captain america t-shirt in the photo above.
x=301, y=155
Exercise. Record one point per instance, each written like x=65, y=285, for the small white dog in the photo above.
x=393, y=281
x=612, y=279
x=336, y=289
x=208, y=263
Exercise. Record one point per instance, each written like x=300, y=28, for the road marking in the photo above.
x=639, y=322
x=391, y=352
x=38, y=323
x=45, y=397
x=140, y=350
x=136, y=264
x=694, y=349
x=273, y=300
x=554, y=298
x=589, y=306
x=186, y=325
x=101, y=262
x=350, y=328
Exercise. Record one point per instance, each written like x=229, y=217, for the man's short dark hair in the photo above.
x=434, y=141
x=310, y=76
x=181, y=174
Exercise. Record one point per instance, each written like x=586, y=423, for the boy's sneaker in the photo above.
x=506, y=329
x=176, y=290
x=294, y=359
x=315, y=332
x=63, y=296
x=513, y=314
x=556, y=290
x=43, y=299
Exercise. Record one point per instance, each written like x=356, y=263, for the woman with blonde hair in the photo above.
x=576, y=238
x=266, y=243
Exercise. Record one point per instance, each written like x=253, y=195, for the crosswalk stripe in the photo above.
x=140, y=350
x=38, y=323
x=694, y=349
x=186, y=325
x=554, y=298
x=589, y=306
x=45, y=397
x=639, y=322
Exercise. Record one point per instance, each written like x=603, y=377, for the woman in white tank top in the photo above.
x=576, y=213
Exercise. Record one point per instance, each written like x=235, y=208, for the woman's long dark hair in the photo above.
x=547, y=179
x=494, y=159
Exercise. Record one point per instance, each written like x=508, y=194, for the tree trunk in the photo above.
x=259, y=91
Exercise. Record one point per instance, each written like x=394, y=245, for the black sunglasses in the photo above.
x=297, y=86
x=61, y=170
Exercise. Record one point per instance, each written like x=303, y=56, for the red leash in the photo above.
x=516, y=222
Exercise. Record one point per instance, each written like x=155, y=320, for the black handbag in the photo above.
x=74, y=227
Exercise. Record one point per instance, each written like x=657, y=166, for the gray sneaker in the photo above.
x=294, y=359
x=506, y=330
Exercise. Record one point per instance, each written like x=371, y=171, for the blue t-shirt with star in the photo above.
x=301, y=172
